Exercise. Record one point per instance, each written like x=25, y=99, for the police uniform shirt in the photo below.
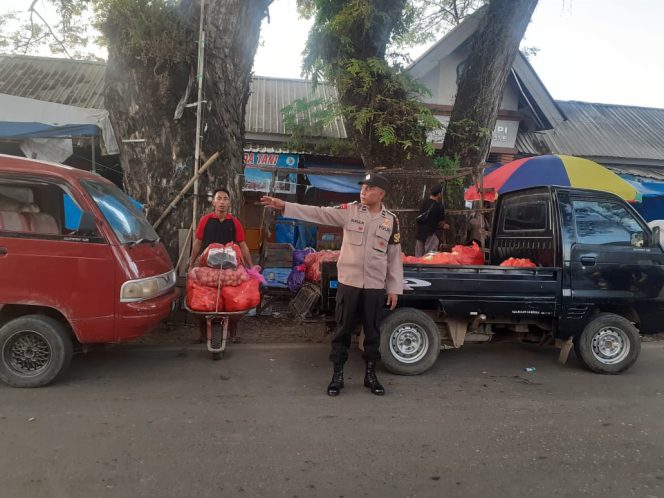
x=370, y=255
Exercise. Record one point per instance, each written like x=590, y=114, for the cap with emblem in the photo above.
x=375, y=180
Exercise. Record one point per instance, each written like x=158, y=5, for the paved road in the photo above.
x=169, y=422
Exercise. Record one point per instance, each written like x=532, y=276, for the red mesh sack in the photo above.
x=469, y=255
x=313, y=261
x=243, y=297
x=203, y=298
x=518, y=263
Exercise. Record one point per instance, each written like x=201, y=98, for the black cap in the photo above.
x=436, y=189
x=375, y=180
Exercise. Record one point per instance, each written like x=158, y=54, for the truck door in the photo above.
x=613, y=262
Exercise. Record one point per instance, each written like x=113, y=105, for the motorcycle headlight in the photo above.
x=147, y=288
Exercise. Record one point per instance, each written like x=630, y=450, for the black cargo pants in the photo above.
x=355, y=305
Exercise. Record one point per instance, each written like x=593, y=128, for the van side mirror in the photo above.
x=657, y=238
x=87, y=225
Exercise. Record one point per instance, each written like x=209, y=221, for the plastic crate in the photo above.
x=305, y=302
x=276, y=277
x=278, y=256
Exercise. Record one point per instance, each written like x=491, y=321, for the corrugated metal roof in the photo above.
x=63, y=81
x=641, y=172
x=270, y=95
x=601, y=130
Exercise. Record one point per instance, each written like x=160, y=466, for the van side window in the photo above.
x=31, y=209
x=526, y=215
x=606, y=222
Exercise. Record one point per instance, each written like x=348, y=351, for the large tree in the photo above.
x=151, y=73
x=493, y=47
x=151, y=67
x=347, y=46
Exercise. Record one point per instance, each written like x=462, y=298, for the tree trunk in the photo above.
x=142, y=94
x=493, y=48
x=229, y=60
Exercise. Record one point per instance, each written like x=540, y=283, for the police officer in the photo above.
x=369, y=264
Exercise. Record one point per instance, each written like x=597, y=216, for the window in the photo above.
x=524, y=214
x=121, y=212
x=600, y=222
x=30, y=208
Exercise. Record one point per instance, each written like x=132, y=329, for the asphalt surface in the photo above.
x=162, y=422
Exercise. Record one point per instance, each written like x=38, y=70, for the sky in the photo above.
x=606, y=51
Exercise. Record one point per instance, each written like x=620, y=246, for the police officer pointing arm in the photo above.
x=369, y=267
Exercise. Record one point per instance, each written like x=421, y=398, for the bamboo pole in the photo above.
x=199, y=77
x=185, y=189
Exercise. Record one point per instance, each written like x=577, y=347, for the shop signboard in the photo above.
x=504, y=133
x=259, y=181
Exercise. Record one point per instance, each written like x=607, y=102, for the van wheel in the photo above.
x=409, y=342
x=34, y=349
x=609, y=344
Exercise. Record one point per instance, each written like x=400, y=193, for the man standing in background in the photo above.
x=431, y=217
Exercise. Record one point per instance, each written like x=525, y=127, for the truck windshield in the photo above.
x=128, y=223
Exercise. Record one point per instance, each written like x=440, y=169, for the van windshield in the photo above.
x=128, y=223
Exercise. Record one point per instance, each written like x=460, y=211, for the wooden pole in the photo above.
x=199, y=76
x=184, y=247
x=185, y=189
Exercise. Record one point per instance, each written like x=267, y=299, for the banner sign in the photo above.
x=259, y=181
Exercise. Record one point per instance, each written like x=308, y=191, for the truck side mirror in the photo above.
x=87, y=225
x=657, y=238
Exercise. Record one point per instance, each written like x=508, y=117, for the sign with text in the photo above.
x=256, y=180
x=504, y=133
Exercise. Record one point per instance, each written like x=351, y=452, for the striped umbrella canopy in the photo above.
x=568, y=171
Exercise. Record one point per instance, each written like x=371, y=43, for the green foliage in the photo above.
x=348, y=46
x=28, y=32
x=428, y=20
x=153, y=30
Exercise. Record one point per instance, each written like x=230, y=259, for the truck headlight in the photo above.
x=147, y=288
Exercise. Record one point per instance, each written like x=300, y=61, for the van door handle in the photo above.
x=588, y=260
x=3, y=251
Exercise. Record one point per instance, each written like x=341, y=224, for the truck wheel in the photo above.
x=609, y=344
x=409, y=342
x=34, y=349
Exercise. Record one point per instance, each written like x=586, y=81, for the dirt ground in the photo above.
x=183, y=328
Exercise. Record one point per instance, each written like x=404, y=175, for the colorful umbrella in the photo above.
x=552, y=170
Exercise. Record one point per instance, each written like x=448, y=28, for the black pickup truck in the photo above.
x=598, y=284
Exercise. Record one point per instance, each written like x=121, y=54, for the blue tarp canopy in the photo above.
x=40, y=130
x=651, y=206
x=335, y=183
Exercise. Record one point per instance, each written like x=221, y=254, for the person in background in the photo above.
x=369, y=265
x=219, y=227
x=430, y=219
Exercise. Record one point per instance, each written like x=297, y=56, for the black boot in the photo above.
x=371, y=381
x=337, y=382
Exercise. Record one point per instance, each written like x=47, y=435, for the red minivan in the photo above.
x=79, y=264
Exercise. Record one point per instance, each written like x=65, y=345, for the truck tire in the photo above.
x=409, y=342
x=34, y=350
x=609, y=344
